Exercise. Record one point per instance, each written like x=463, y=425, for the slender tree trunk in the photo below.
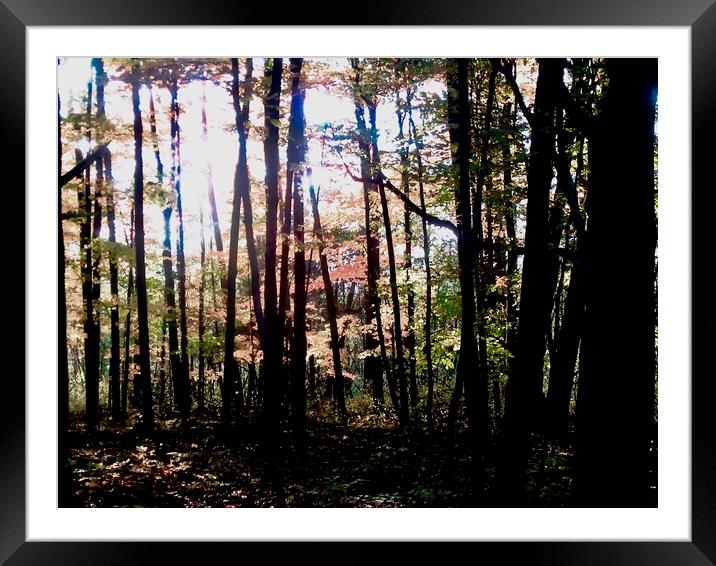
x=408, y=261
x=201, y=382
x=142, y=314
x=616, y=399
x=524, y=395
x=169, y=291
x=427, y=329
x=563, y=365
x=338, y=390
x=403, y=414
x=373, y=365
x=127, y=340
x=273, y=345
x=230, y=334
x=162, y=364
x=467, y=367
x=297, y=144
x=114, y=291
x=182, y=386
x=91, y=328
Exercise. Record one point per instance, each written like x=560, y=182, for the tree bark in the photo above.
x=524, y=395
x=403, y=412
x=331, y=309
x=372, y=365
x=408, y=259
x=230, y=334
x=297, y=145
x=142, y=314
x=91, y=327
x=182, y=392
x=272, y=347
x=467, y=368
x=427, y=329
x=616, y=399
x=114, y=291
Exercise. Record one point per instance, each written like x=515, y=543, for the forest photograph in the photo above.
x=357, y=282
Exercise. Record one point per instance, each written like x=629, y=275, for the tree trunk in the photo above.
x=114, y=290
x=338, y=390
x=427, y=329
x=127, y=340
x=181, y=383
x=403, y=414
x=169, y=290
x=91, y=328
x=467, y=368
x=373, y=366
x=297, y=145
x=408, y=260
x=616, y=400
x=201, y=381
x=142, y=314
x=228, y=380
x=272, y=346
x=524, y=395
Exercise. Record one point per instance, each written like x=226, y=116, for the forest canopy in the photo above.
x=357, y=282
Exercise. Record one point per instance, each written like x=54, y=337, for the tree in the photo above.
x=524, y=396
x=458, y=120
x=338, y=389
x=616, y=399
x=273, y=345
x=141, y=281
x=296, y=159
x=181, y=380
x=228, y=380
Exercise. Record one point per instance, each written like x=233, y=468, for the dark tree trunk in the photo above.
x=162, y=364
x=244, y=188
x=373, y=366
x=616, y=399
x=91, y=327
x=169, y=292
x=524, y=395
x=467, y=368
x=201, y=381
x=181, y=382
x=297, y=146
x=402, y=408
x=338, y=391
x=114, y=361
x=569, y=332
x=127, y=340
x=427, y=329
x=142, y=315
x=272, y=347
x=408, y=260
x=230, y=334
x=482, y=280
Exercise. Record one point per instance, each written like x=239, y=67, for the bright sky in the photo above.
x=222, y=145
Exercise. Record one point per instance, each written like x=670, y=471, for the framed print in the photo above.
x=51, y=50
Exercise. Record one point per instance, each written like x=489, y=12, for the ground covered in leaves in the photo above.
x=368, y=463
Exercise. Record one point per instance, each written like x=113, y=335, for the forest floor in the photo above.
x=368, y=463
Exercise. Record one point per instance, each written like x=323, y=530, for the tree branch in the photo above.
x=430, y=218
x=82, y=165
x=505, y=70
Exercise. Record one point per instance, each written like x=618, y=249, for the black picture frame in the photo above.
x=699, y=15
